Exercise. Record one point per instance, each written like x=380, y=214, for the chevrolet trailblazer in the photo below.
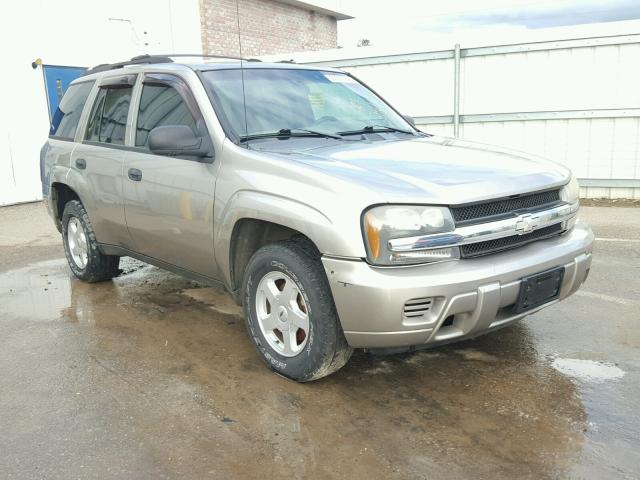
x=324, y=212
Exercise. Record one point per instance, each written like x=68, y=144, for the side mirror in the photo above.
x=409, y=119
x=174, y=140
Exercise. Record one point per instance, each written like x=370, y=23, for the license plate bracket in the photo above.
x=538, y=289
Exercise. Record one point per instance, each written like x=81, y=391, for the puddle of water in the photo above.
x=419, y=358
x=383, y=367
x=216, y=300
x=587, y=370
x=39, y=292
x=477, y=355
x=146, y=335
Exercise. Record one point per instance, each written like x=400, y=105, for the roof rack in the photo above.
x=202, y=55
x=159, y=58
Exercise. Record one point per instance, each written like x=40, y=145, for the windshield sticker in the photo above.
x=316, y=99
x=339, y=78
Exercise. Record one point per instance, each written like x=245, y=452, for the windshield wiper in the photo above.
x=375, y=129
x=288, y=133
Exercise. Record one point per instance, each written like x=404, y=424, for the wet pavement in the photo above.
x=153, y=376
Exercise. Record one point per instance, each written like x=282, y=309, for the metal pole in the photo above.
x=456, y=91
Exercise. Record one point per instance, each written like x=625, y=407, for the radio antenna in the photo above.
x=244, y=96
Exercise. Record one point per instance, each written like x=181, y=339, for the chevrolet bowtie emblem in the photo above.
x=525, y=224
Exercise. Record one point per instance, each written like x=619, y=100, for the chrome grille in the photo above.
x=482, y=212
x=493, y=246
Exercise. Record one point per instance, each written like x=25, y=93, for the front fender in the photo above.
x=290, y=213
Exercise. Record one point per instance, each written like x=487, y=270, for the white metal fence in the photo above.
x=576, y=101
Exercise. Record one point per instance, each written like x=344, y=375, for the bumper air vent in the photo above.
x=417, y=307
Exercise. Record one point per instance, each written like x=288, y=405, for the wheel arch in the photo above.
x=61, y=194
x=270, y=216
x=247, y=237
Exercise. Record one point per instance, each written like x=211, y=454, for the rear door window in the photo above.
x=108, y=119
x=67, y=116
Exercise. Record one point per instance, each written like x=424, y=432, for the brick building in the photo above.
x=267, y=26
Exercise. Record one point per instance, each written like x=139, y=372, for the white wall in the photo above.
x=75, y=33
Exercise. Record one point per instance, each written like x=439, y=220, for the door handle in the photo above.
x=135, y=174
x=81, y=163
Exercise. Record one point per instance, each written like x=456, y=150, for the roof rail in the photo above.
x=139, y=60
x=202, y=55
x=159, y=58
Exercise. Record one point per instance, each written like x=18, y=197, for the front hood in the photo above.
x=430, y=169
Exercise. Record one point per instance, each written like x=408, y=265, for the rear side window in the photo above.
x=67, y=116
x=108, y=119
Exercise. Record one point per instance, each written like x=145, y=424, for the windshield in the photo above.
x=277, y=99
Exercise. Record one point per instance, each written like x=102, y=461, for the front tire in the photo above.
x=290, y=313
x=81, y=249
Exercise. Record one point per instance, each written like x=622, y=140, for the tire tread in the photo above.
x=99, y=267
x=335, y=351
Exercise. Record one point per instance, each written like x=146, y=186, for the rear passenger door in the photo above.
x=98, y=160
x=62, y=135
x=169, y=199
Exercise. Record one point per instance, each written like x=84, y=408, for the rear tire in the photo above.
x=286, y=291
x=81, y=249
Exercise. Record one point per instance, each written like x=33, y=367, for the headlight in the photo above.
x=390, y=222
x=571, y=191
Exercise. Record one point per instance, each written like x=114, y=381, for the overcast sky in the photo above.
x=401, y=22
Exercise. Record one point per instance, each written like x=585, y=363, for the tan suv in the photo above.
x=323, y=211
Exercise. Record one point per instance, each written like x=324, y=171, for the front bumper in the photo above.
x=468, y=297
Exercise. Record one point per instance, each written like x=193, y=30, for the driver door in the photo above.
x=168, y=200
